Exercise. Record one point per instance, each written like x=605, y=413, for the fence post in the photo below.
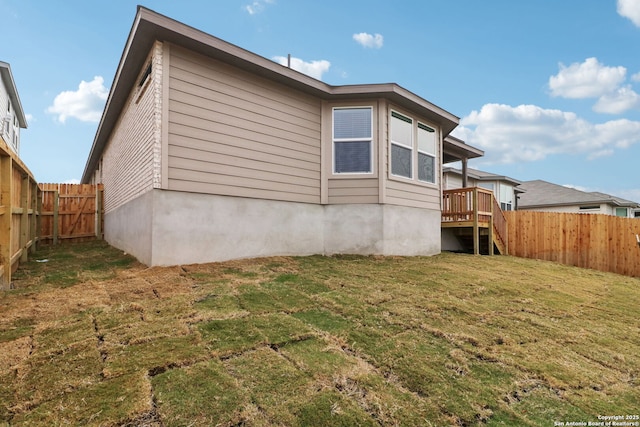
x=33, y=219
x=24, y=218
x=6, y=188
x=56, y=208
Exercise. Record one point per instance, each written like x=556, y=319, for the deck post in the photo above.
x=490, y=237
x=476, y=228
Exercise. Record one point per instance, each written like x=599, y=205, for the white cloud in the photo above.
x=528, y=133
x=630, y=9
x=257, y=6
x=72, y=181
x=629, y=194
x=374, y=41
x=84, y=104
x=314, y=69
x=30, y=118
x=618, y=102
x=590, y=79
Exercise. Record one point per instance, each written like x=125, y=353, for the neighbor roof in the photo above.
x=542, y=194
x=150, y=26
x=482, y=175
x=7, y=78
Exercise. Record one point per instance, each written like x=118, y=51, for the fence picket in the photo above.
x=70, y=212
x=600, y=242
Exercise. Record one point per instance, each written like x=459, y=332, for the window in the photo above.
x=145, y=75
x=352, y=140
x=403, y=132
x=506, y=197
x=426, y=153
x=621, y=212
x=401, y=145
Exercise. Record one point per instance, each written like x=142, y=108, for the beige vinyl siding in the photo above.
x=128, y=159
x=411, y=192
x=412, y=195
x=232, y=133
x=355, y=190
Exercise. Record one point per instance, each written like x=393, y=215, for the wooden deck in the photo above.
x=476, y=211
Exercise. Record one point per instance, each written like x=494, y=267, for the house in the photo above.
x=208, y=152
x=12, y=117
x=505, y=189
x=544, y=196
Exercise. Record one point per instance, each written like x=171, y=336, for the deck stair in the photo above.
x=477, y=220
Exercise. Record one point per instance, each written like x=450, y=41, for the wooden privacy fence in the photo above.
x=600, y=242
x=71, y=212
x=18, y=213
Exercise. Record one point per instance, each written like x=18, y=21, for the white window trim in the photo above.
x=415, y=150
x=334, y=140
x=433, y=155
x=399, y=144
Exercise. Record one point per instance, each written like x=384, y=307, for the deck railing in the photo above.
x=475, y=207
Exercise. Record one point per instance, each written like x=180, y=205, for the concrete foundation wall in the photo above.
x=129, y=227
x=411, y=231
x=170, y=228
x=191, y=228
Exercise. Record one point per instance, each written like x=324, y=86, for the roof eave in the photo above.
x=7, y=76
x=150, y=26
x=455, y=149
x=582, y=203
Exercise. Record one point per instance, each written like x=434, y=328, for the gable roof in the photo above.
x=455, y=149
x=482, y=175
x=542, y=194
x=149, y=26
x=9, y=83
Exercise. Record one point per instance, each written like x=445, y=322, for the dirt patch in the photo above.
x=14, y=352
x=58, y=302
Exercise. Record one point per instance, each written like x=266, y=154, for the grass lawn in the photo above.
x=91, y=337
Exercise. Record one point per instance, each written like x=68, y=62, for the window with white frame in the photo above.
x=621, y=212
x=401, y=145
x=353, y=140
x=414, y=145
x=506, y=197
x=426, y=153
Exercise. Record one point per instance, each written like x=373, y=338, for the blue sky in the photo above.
x=549, y=89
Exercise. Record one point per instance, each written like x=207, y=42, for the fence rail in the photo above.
x=18, y=213
x=71, y=212
x=600, y=242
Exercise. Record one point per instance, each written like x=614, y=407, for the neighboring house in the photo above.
x=12, y=118
x=209, y=152
x=544, y=196
x=505, y=189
